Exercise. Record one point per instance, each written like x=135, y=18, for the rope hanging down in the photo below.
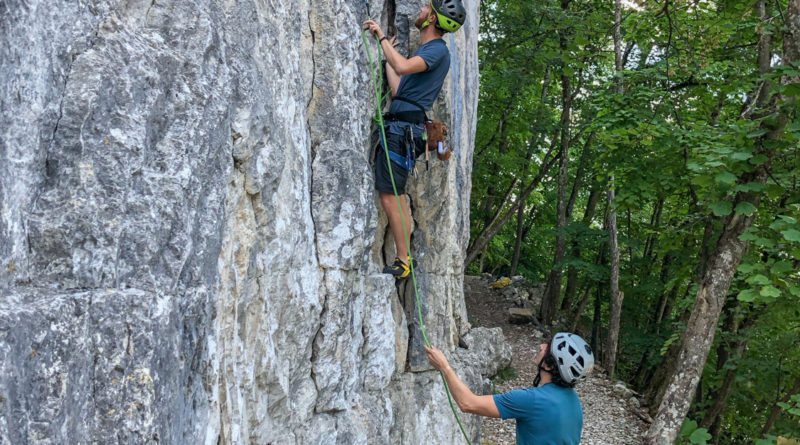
x=377, y=84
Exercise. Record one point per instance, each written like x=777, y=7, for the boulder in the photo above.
x=518, y=315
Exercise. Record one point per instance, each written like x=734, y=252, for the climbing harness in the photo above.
x=376, y=86
x=434, y=132
x=408, y=160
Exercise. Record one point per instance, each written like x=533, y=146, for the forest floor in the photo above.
x=610, y=416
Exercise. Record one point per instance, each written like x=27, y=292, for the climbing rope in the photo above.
x=377, y=86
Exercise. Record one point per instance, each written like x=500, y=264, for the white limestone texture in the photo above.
x=190, y=242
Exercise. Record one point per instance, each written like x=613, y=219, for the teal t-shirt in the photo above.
x=547, y=415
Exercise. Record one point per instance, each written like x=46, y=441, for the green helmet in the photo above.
x=450, y=14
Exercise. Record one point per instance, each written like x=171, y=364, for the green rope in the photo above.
x=377, y=87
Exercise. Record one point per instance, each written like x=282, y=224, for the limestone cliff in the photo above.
x=190, y=244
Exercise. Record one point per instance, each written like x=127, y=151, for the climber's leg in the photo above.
x=389, y=204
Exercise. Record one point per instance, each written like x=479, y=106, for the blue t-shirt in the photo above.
x=547, y=415
x=424, y=87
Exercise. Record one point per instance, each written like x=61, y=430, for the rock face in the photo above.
x=190, y=243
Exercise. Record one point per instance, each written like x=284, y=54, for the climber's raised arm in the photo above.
x=391, y=75
x=400, y=64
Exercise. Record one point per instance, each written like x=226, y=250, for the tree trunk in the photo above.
x=723, y=262
x=532, y=216
x=489, y=232
x=552, y=292
x=656, y=385
x=521, y=219
x=586, y=294
x=657, y=317
x=572, y=273
x=655, y=223
x=776, y=410
x=734, y=327
x=500, y=130
x=615, y=295
x=659, y=314
x=499, y=211
x=518, y=240
x=579, y=173
x=702, y=323
x=596, y=327
x=521, y=209
x=715, y=430
x=720, y=401
x=484, y=235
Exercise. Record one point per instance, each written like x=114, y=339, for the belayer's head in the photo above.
x=567, y=358
x=445, y=15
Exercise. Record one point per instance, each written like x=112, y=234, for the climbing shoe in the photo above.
x=399, y=269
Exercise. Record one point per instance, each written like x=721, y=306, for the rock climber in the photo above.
x=415, y=84
x=549, y=413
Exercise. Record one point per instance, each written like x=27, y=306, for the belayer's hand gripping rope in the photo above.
x=377, y=86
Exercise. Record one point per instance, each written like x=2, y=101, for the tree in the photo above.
x=613, y=245
x=730, y=248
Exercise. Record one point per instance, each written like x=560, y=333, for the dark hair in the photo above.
x=550, y=362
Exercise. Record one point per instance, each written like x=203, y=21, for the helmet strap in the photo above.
x=538, y=378
x=427, y=21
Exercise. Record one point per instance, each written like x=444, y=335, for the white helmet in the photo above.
x=573, y=355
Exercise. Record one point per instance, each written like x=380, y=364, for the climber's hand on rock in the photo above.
x=437, y=358
x=393, y=41
x=374, y=28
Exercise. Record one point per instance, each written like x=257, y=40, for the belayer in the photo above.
x=549, y=413
x=415, y=83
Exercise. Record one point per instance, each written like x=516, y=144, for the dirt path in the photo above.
x=608, y=417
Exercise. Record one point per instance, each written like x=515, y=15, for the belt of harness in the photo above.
x=411, y=117
x=415, y=117
x=379, y=118
x=416, y=104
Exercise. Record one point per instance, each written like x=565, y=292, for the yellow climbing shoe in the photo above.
x=399, y=269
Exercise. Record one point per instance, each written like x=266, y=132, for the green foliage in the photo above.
x=691, y=434
x=793, y=406
x=503, y=375
x=683, y=143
